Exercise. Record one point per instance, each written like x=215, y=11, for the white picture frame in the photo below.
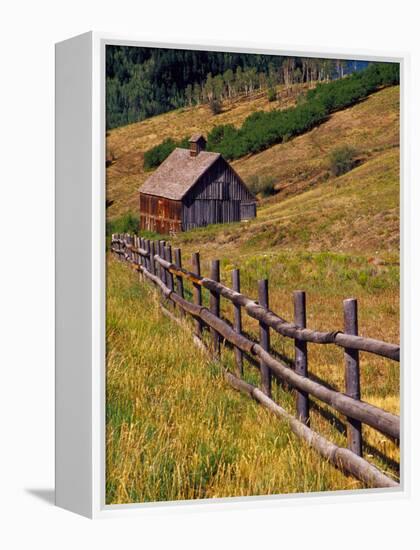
x=80, y=278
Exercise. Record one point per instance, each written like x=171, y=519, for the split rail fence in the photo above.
x=163, y=266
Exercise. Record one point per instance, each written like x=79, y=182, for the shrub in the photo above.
x=271, y=94
x=262, y=185
x=128, y=223
x=342, y=160
x=252, y=183
x=220, y=133
x=215, y=106
x=156, y=155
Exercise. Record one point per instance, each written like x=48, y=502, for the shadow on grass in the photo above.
x=341, y=427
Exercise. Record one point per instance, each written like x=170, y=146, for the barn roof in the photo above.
x=178, y=173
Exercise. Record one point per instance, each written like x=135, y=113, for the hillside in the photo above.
x=128, y=143
x=355, y=213
x=371, y=126
x=334, y=237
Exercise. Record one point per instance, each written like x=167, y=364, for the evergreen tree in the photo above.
x=143, y=82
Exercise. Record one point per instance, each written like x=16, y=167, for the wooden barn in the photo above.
x=194, y=188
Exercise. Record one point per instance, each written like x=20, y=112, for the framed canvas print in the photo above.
x=228, y=274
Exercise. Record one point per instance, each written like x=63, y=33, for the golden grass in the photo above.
x=175, y=429
x=328, y=279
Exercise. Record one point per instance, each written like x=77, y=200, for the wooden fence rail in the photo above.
x=290, y=330
x=154, y=260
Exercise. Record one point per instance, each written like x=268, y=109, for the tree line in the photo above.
x=143, y=82
x=261, y=130
x=290, y=71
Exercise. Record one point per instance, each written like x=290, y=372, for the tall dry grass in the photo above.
x=176, y=430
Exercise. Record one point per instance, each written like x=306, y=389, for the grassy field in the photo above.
x=175, y=429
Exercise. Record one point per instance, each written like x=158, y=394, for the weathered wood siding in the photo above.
x=160, y=214
x=248, y=210
x=204, y=212
x=217, y=197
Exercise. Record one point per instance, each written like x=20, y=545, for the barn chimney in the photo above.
x=197, y=143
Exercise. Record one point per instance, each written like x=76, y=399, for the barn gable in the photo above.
x=218, y=196
x=220, y=182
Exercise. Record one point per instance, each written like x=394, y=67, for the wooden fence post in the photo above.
x=152, y=256
x=129, y=250
x=143, y=247
x=162, y=255
x=237, y=324
x=301, y=355
x=197, y=296
x=264, y=338
x=352, y=375
x=124, y=247
x=131, y=243
x=140, y=245
x=179, y=279
x=159, y=268
x=139, y=259
x=215, y=303
x=136, y=244
x=169, y=276
x=148, y=257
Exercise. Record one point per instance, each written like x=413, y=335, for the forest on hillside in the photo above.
x=143, y=82
x=261, y=130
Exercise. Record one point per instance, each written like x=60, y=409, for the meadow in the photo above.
x=175, y=429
